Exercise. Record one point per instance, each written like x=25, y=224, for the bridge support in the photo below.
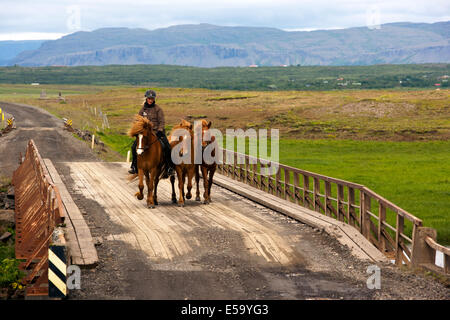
x=422, y=254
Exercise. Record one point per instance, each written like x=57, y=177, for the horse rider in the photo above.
x=154, y=113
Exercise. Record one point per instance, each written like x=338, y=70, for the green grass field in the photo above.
x=413, y=175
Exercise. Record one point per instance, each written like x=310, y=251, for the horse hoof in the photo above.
x=139, y=196
x=198, y=199
x=206, y=201
x=174, y=200
x=181, y=205
x=151, y=206
x=188, y=196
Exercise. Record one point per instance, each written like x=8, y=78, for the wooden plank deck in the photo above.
x=78, y=236
x=168, y=231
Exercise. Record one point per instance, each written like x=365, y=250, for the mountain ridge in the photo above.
x=207, y=45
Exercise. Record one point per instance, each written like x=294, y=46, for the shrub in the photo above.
x=10, y=274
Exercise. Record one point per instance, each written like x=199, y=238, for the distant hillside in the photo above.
x=10, y=49
x=263, y=78
x=206, y=45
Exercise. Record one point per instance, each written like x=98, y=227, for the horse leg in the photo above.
x=140, y=194
x=150, y=184
x=210, y=182
x=174, y=195
x=180, y=176
x=197, y=182
x=190, y=175
x=155, y=192
x=184, y=182
x=205, y=185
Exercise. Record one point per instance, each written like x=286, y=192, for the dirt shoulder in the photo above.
x=47, y=132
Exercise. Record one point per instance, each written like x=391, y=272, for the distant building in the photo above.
x=35, y=84
x=253, y=66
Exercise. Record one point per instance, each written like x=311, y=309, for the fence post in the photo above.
x=364, y=206
x=316, y=200
x=340, y=206
x=327, y=198
x=287, y=181
x=350, y=209
x=398, y=240
x=381, y=219
x=306, y=197
x=278, y=183
x=422, y=253
x=296, y=186
x=255, y=180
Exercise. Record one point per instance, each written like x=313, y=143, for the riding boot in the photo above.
x=134, y=168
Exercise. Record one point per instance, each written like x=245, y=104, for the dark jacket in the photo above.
x=155, y=114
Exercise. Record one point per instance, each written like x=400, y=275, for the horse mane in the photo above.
x=184, y=124
x=139, y=125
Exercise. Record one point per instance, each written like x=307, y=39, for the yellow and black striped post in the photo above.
x=57, y=272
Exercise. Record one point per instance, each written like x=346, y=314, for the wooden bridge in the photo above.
x=170, y=234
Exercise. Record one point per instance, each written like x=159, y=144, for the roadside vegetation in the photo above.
x=396, y=142
x=10, y=275
x=241, y=78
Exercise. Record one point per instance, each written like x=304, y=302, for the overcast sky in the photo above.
x=50, y=19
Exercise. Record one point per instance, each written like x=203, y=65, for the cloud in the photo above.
x=53, y=17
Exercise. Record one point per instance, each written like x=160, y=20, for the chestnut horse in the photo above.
x=207, y=169
x=150, y=161
x=183, y=170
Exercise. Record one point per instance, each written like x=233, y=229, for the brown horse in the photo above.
x=183, y=169
x=150, y=160
x=208, y=170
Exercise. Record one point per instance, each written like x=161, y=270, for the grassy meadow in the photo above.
x=395, y=142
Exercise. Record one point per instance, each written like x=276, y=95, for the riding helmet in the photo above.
x=150, y=94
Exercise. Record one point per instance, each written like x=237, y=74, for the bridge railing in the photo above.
x=390, y=228
x=38, y=210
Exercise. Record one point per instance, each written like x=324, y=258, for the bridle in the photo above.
x=147, y=146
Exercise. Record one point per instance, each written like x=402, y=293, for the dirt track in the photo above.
x=221, y=269
x=48, y=134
